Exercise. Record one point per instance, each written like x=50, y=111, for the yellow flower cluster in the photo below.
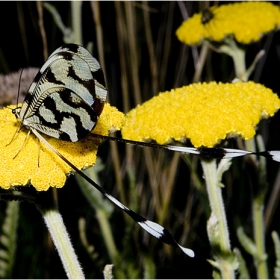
x=52, y=171
x=246, y=21
x=204, y=112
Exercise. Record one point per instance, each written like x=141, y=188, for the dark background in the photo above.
x=21, y=46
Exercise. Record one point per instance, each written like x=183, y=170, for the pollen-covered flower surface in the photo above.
x=204, y=112
x=246, y=21
x=52, y=171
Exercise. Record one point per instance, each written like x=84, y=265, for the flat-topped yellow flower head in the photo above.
x=205, y=113
x=52, y=171
x=245, y=21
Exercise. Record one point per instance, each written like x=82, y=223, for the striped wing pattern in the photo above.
x=67, y=95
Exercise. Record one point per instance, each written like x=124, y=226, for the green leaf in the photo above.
x=8, y=239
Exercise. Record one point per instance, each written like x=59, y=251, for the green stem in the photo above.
x=259, y=238
x=76, y=10
x=237, y=53
x=62, y=243
x=216, y=201
x=238, y=56
x=68, y=35
x=218, y=214
x=107, y=234
x=258, y=205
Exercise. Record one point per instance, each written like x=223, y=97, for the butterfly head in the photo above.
x=16, y=111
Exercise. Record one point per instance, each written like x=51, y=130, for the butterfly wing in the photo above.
x=67, y=95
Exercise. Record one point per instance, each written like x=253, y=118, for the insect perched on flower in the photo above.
x=65, y=101
x=207, y=15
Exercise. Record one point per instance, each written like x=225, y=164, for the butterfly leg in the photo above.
x=25, y=140
x=39, y=150
x=14, y=136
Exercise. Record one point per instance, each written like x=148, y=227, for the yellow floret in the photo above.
x=246, y=21
x=37, y=164
x=204, y=113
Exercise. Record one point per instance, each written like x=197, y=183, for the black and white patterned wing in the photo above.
x=67, y=95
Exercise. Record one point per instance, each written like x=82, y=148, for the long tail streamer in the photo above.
x=152, y=228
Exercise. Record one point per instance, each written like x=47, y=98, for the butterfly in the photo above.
x=65, y=101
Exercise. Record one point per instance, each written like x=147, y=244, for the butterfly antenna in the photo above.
x=152, y=228
x=19, y=82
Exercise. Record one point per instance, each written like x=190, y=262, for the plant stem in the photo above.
x=259, y=238
x=258, y=206
x=76, y=12
x=107, y=234
x=217, y=208
x=258, y=215
x=238, y=55
x=62, y=243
